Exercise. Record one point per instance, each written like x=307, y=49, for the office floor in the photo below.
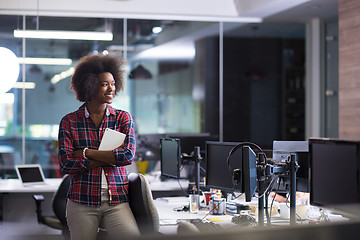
x=23, y=231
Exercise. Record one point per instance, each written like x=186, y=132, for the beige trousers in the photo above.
x=84, y=221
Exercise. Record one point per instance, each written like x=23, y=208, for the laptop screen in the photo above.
x=30, y=173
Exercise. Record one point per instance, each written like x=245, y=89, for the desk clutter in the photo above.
x=216, y=213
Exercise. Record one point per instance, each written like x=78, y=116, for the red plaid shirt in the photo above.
x=77, y=131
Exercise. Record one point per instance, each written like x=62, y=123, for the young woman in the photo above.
x=98, y=192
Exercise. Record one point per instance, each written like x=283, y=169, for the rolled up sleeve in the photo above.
x=126, y=153
x=69, y=164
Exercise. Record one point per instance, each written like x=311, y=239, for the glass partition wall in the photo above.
x=182, y=77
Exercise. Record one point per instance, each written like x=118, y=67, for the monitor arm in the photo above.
x=264, y=170
x=196, y=158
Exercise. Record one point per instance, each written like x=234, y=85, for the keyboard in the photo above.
x=206, y=226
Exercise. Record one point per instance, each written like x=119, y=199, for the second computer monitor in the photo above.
x=249, y=175
x=334, y=174
x=218, y=174
x=170, y=157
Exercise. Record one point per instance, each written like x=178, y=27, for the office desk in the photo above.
x=15, y=196
x=18, y=207
x=17, y=202
x=168, y=188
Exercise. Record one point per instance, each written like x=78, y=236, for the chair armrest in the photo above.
x=38, y=199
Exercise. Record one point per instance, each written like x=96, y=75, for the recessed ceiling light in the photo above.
x=157, y=29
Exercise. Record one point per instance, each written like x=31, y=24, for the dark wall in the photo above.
x=253, y=75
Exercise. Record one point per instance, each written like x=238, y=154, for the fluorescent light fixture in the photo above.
x=58, y=77
x=168, y=51
x=45, y=61
x=26, y=85
x=70, y=35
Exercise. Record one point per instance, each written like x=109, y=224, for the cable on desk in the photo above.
x=182, y=189
x=272, y=202
x=286, y=203
x=267, y=189
x=268, y=220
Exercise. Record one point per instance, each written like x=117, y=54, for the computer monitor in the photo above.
x=170, y=157
x=218, y=175
x=334, y=172
x=249, y=176
x=281, y=151
x=188, y=141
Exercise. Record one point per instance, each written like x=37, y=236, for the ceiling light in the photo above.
x=70, y=35
x=26, y=85
x=7, y=98
x=45, y=61
x=34, y=69
x=9, y=69
x=58, y=77
x=157, y=29
x=168, y=51
x=140, y=73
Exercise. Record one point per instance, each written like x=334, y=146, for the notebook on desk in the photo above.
x=30, y=174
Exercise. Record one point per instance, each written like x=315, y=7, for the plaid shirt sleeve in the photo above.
x=126, y=153
x=68, y=164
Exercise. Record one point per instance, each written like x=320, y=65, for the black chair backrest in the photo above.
x=60, y=198
x=140, y=201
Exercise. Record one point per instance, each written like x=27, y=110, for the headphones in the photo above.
x=237, y=172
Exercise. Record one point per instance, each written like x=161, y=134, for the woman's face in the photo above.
x=106, y=89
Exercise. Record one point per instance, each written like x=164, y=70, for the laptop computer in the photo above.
x=30, y=174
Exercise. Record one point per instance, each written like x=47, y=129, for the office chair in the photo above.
x=59, y=207
x=140, y=200
x=141, y=204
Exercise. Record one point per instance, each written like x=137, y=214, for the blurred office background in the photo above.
x=188, y=74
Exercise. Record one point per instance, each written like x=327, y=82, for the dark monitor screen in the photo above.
x=334, y=172
x=249, y=176
x=170, y=157
x=189, y=140
x=217, y=172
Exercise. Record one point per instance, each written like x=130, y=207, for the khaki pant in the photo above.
x=84, y=221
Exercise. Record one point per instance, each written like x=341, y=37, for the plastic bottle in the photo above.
x=194, y=201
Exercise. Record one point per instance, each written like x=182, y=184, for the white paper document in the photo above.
x=111, y=139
